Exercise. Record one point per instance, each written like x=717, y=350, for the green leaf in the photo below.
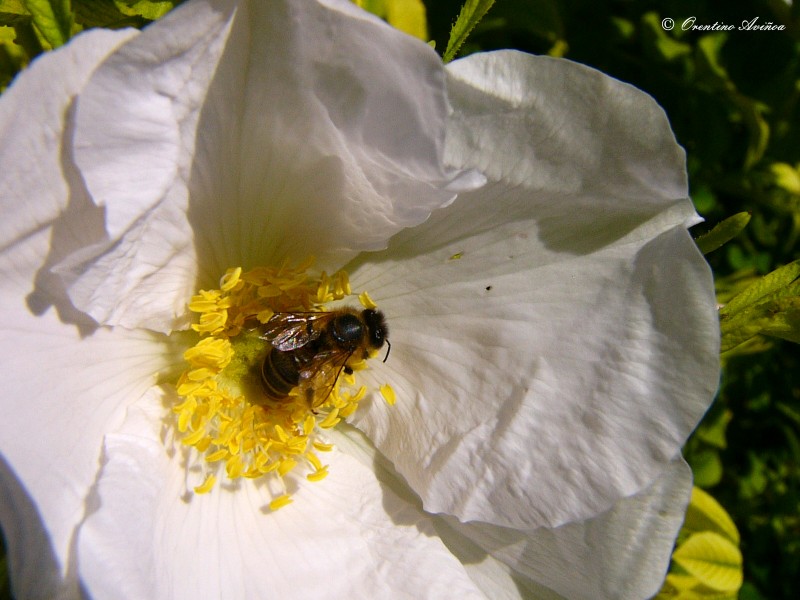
x=52, y=19
x=709, y=48
x=706, y=514
x=376, y=7
x=786, y=177
x=712, y=430
x=121, y=13
x=723, y=232
x=713, y=559
x=682, y=582
x=471, y=14
x=784, y=320
x=771, y=306
x=663, y=44
x=11, y=10
x=706, y=467
x=778, y=317
x=148, y=9
x=12, y=56
x=753, y=117
x=408, y=16
x=762, y=289
x=25, y=38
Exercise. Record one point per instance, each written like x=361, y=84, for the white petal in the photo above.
x=135, y=160
x=494, y=578
x=344, y=537
x=63, y=387
x=621, y=554
x=53, y=413
x=283, y=131
x=567, y=133
x=551, y=348
x=39, y=178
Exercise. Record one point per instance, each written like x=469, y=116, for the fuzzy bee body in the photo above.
x=309, y=350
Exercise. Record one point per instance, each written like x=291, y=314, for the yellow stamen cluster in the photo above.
x=223, y=413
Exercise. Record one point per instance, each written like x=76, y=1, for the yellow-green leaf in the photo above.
x=376, y=7
x=148, y=9
x=667, y=46
x=786, y=177
x=713, y=559
x=9, y=50
x=706, y=466
x=471, y=14
x=687, y=587
x=52, y=19
x=408, y=16
x=681, y=581
x=723, y=232
x=778, y=315
x=759, y=290
x=784, y=320
x=11, y=8
x=706, y=514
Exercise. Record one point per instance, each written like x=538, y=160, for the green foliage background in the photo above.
x=732, y=99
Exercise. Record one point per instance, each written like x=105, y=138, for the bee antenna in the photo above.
x=388, y=349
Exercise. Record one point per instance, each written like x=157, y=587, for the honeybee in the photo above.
x=309, y=350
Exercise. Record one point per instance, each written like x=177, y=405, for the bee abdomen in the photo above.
x=279, y=374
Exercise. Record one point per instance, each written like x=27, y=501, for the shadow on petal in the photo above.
x=31, y=558
x=80, y=225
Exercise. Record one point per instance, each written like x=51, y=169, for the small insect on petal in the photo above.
x=269, y=326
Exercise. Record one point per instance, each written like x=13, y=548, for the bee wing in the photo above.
x=290, y=331
x=317, y=381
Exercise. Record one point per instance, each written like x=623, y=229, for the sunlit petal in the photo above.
x=64, y=381
x=348, y=537
x=554, y=341
x=244, y=147
x=623, y=553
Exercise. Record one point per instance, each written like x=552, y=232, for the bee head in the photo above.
x=377, y=331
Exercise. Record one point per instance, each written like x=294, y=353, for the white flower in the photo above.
x=553, y=331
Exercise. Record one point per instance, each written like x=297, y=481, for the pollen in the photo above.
x=224, y=418
x=388, y=394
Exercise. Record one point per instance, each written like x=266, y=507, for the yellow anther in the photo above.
x=216, y=416
x=234, y=467
x=230, y=280
x=286, y=465
x=318, y=475
x=366, y=301
x=331, y=420
x=221, y=454
x=280, y=502
x=194, y=437
x=206, y=486
x=322, y=447
x=388, y=394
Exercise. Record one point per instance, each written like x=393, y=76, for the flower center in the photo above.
x=273, y=366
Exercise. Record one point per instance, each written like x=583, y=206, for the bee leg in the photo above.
x=310, y=399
